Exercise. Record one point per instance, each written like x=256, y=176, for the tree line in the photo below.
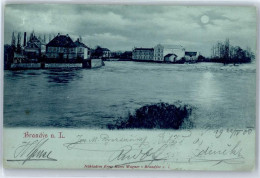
x=226, y=53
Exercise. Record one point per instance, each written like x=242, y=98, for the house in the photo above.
x=170, y=58
x=62, y=48
x=82, y=50
x=106, y=53
x=143, y=54
x=34, y=47
x=191, y=56
x=100, y=52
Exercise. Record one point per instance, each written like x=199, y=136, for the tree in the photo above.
x=98, y=52
x=44, y=38
x=13, y=42
x=226, y=50
x=19, y=47
x=49, y=37
x=226, y=53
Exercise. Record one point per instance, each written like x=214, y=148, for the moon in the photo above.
x=204, y=19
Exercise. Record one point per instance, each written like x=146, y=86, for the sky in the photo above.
x=123, y=27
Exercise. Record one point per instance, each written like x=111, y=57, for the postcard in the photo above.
x=134, y=87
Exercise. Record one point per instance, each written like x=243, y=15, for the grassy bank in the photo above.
x=159, y=115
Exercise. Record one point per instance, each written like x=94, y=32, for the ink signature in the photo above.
x=32, y=151
x=129, y=155
x=231, y=154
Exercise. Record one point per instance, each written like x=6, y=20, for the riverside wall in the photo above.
x=93, y=63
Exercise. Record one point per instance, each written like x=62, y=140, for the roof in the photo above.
x=34, y=39
x=105, y=49
x=143, y=49
x=80, y=44
x=62, y=41
x=187, y=53
x=32, y=45
x=34, y=42
x=168, y=55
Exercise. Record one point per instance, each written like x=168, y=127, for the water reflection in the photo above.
x=208, y=89
x=62, y=76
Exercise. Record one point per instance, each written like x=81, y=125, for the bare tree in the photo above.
x=13, y=41
x=226, y=53
x=19, y=47
x=44, y=38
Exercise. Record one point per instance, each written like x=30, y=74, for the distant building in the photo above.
x=191, y=56
x=116, y=54
x=82, y=50
x=143, y=54
x=161, y=51
x=126, y=55
x=106, y=53
x=100, y=52
x=62, y=47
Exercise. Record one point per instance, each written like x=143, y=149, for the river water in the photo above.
x=221, y=96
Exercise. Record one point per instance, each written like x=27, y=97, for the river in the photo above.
x=221, y=96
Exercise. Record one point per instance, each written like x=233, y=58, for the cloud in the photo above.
x=121, y=27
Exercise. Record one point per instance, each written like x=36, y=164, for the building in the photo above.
x=143, y=54
x=63, y=48
x=158, y=53
x=170, y=58
x=100, y=52
x=34, y=48
x=82, y=50
x=126, y=55
x=191, y=56
x=20, y=58
x=106, y=53
x=161, y=51
x=116, y=54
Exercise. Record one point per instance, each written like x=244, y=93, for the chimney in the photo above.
x=67, y=35
x=58, y=34
x=24, y=39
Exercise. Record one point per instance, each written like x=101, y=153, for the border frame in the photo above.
x=125, y=173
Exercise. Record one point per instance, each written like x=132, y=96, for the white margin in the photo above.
x=124, y=173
